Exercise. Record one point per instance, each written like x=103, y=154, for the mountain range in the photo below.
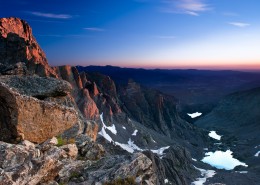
x=112, y=125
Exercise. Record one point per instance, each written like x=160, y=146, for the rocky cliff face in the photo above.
x=105, y=134
x=81, y=94
x=151, y=108
x=19, y=51
x=135, y=113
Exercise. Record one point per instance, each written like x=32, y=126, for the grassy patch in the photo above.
x=126, y=181
x=64, y=141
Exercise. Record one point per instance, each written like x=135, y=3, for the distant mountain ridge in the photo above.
x=189, y=86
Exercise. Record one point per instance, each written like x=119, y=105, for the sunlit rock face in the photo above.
x=28, y=110
x=19, y=50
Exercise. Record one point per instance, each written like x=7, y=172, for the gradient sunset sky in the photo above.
x=144, y=33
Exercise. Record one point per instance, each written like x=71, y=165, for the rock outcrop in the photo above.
x=174, y=166
x=25, y=164
x=137, y=167
x=19, y=51
x=26, y=113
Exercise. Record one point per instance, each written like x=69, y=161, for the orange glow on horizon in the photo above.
x=202, y=65
x=212, y=65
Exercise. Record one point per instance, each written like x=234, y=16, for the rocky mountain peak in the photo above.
x=19, y=50
x=16, y=26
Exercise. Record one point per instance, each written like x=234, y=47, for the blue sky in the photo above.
x=144, y=33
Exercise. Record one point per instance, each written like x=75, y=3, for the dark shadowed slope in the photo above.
x=238, y=113
x=237, y=119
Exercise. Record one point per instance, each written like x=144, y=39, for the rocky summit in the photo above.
x=19, y=51
x=68, y=125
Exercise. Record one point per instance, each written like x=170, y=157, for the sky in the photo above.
x=144, y=33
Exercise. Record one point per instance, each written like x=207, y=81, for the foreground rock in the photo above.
x=25, y=164
x=24, y=117
x=137, y=169
x=174, y=166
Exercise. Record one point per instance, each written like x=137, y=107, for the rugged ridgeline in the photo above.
x=237, y=118
x=151, y=108
x=19, y=51
x=196, y=90
x=141, y=139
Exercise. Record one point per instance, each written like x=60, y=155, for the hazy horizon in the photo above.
x=212, y=68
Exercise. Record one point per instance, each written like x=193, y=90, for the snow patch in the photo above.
x=111, y=128
x=257, y=154
x=124, y=128
x=222, y=160
x=160, y=151
x=166, y=181
x=134, y=146
x=129, y=147
x=134, y=133
x=194, y=115
x=244, y=172
x=105, y=135
x=205, y=149
x=205, y=174
x=214, y=135
x=153, y=140
x=125, y=147
x=194, y=159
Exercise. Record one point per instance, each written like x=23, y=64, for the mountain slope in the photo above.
x=236, y=118
x=150, y=108
x=238, y=113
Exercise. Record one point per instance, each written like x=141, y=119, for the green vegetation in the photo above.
x=126, y=181
x=65, y=141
